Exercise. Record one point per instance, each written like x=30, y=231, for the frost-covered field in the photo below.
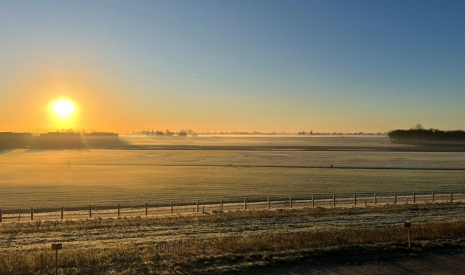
x=43, y=178
x=262, y=140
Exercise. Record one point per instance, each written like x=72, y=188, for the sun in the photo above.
x=63, y=108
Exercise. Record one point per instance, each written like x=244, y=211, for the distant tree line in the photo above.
x=186, y=133
x=243, y=133
x=340, y=133
x=168, y=133
x=419, y=135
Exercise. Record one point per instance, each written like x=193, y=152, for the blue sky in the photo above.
x=235, y=65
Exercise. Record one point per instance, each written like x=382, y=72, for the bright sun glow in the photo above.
x=63, y=108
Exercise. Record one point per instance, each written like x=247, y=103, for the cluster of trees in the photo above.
x=339, y=133
x=71, y=130
x=418, y=135
x=243, y=133
x=305, y=133
x=168, y=133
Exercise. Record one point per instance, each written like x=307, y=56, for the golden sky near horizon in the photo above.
x=101, y=105
x=236, y=66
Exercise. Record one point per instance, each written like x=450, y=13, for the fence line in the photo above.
x=342, y=200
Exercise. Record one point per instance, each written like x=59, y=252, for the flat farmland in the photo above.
x=75, y=178
x=258, y=141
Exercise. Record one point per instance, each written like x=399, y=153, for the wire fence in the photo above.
x=230, y=204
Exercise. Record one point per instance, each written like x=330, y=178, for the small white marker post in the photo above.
x=56, y=247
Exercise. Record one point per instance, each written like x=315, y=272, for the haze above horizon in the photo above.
x=330, y=66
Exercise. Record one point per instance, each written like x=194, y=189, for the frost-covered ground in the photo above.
x=81, y=236
x=74, y=178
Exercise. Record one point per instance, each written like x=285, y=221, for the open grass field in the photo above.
x=259, y=141
x=230, y=242
x=43, y=178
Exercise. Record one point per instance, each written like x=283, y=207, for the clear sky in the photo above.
x=233, y=65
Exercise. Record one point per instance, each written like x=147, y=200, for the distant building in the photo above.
x=60, y=140
x=12, y=140
x=101, y=139
x=102, y=135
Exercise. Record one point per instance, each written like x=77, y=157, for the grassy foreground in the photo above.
x=227, y=254
x=211, y=217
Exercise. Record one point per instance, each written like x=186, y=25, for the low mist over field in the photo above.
x=259, y=140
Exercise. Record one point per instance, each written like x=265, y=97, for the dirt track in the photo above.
x=434, y=264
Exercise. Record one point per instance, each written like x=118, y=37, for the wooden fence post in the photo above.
x=395, y=198
x=413, y=197
x=203, y=208
x=408, y=225
x=375, y=199
x=355, y=199
x=245, y=203
x=198, y=209
x=313, y=201
x=62, y=212
x=32, y=213
x=171, y=207
x=1, y=215
x=90, y=211
x=432, y=196
x=451, y=196
x=269, y=203
x=118, y=210
x=146, y=208
x=290, y=201
x=409, y=238
x=334, y=200
x=221, y=203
